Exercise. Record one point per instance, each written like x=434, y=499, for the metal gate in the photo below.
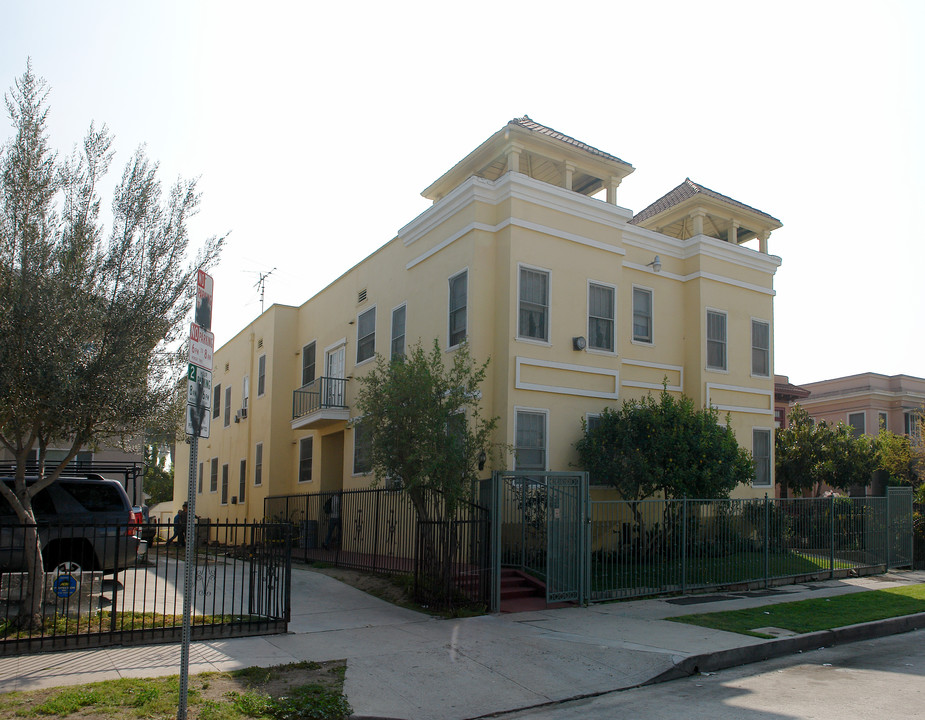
x=539, y=526
x=899, y=526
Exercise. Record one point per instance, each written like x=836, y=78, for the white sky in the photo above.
x=315, y=127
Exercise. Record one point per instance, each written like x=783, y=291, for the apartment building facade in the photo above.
x=525, y=255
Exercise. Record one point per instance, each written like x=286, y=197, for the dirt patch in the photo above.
x=391, y=588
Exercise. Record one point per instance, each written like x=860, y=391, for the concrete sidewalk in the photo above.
x=404, y=664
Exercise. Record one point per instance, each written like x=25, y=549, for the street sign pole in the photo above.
x=188, y=579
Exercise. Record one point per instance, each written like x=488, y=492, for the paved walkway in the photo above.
x=404, y=664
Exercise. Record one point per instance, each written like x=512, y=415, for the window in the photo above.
x=882, y=421
x=200, y=478
x=261, y=375
x=305, y=460
x=533, y=320
x=911, y=423
x=362, y=448
x=716, y=340
x=258, y=464
x=761, y=452
x=228, y=406
x=366, y=335
x=600, y=317
x=592, y=421
x=459, y=299
x=858, y=421
x=217, y=405
x=530, y=440
x=642, y=315
x=308, y=364
x=761, y=348
x=242, y=480
x=245, y=391
x=213, y=475
x=224, y=484
x=398, y=333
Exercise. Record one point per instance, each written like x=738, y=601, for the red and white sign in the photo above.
x=201, y=346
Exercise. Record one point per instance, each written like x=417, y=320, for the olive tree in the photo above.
x=91, y=320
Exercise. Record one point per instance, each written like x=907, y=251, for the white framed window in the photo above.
x=362, y=448
x=242, y=480
x=366, y=335
x=858, y=421
x=601, y=316
x=200, y=478
x=530, y=439
x=258, y=464
x=716, y=340
x=883, y=422
x=308, y=364
x=458, y=308
x=224, y=484
x=217, y=402
x=306, y=446
x=761, y=453
x=642, y=315
x=227, y=420
x=261, y=375
x=213, y=475
x=533, y=307
x=397, y=348
x=245, y=391
x=911, y=424
x=761, y=348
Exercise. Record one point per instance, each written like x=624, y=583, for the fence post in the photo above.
x=767, y=541
x=832, y=539
x=376, y=536
x=684, y=546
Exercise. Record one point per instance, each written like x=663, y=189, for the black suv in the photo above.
x=86, y=523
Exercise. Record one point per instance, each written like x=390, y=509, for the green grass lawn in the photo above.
x=806, y=616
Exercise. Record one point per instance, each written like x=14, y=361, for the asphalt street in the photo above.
x=869, y=680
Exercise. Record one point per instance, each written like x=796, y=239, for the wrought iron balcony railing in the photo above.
x=320, y=394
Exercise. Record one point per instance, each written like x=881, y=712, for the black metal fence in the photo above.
x=379, y=530
x=918, y=536
x=242, y=587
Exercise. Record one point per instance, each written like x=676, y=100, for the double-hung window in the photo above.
x=459, y=301
x=224, y=484
x=217, y=405
x=305, y=459
x=761, y=348
x=530, y=440
x=601, y=312
x=533, y=318
x=227, y=406
x=261, y=375
x=716, y=340
x=362, y=448
x=213, y=475
x=366, y=335
x=242, y=481
x=398, y=332
x=258, y=464
x=761, y=452
x=642, y=315
x=858, y=423
x=308, y=364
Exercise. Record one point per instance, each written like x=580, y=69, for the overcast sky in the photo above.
x=315, y=127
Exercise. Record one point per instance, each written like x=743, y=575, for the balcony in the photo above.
x=320, y=403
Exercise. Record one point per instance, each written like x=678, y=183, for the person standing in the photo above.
x=179, y=526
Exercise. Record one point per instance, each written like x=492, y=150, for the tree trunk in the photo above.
x=30, y=613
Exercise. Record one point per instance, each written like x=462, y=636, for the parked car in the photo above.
x=85, y=523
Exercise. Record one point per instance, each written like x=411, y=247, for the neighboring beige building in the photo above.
x=869, y=401
x=526, y=255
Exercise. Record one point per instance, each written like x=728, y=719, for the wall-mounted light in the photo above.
x=579, y=343
x=656, y=264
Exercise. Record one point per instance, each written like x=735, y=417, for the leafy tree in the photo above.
x=665, y=445
x=87, y=318
x=809, y=454
x=158, y=479
x=896, y=456
x=428, y=434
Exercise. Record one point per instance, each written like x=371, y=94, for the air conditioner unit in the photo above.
x=243, y=413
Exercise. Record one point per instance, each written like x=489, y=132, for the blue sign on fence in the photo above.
x=65, y=586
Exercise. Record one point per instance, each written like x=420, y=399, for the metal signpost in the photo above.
x=198, y=405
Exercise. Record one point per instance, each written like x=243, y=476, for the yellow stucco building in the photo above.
x=526, y=255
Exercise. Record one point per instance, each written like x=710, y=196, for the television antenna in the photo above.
x=261, y=285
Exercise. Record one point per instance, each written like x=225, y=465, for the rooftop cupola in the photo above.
x=544, y=154
x=691, y=209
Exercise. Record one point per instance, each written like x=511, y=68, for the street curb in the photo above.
x=735, y=657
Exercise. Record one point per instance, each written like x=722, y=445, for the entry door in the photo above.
x=334, y=367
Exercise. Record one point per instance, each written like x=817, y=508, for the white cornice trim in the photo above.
x=699, y=245
x=769, y=394
x=657, y=366
x=520, y=385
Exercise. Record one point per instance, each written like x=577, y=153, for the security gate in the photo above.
x=899, y=526
x=539, y=526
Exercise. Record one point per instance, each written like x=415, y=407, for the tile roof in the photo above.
x=528, y=124
x=689, y=189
